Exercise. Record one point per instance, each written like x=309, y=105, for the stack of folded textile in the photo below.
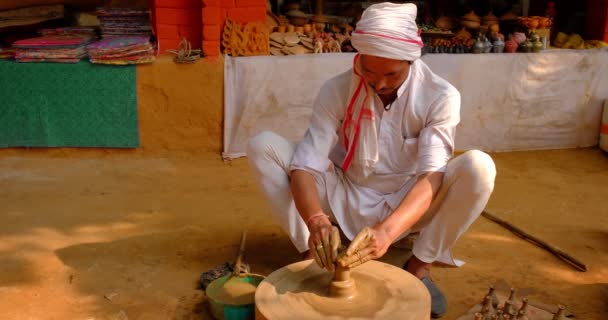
x=82, y=31
x=122, y=50
x=67, y=45
x=124, y=22
x=7, y=53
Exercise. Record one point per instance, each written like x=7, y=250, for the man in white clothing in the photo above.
x=376, y=159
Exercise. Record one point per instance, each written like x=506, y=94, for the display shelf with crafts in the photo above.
x=506, y=303
x=62, y=34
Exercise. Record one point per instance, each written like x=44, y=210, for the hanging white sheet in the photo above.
x=548, y=100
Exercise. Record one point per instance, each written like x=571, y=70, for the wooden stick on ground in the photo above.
x=239, y=257
x=578, y=265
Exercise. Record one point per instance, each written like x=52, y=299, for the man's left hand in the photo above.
x=369, y=244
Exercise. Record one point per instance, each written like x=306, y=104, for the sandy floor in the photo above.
x=125, y=236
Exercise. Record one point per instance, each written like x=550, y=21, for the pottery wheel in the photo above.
x=301, y=291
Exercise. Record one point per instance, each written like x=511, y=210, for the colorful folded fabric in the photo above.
x=149, y=50
x=51, y=53
x=105, y=12
x=122, y=61
x=122, y=50
x=63, y=41
x=49, y=60
x=124, y=22
x=117, y=44
x=69, y=30
x=66, y=45
x=7, y=53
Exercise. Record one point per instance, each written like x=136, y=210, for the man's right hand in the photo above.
x=324, y=242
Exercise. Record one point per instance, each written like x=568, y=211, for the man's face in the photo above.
x=384, y=75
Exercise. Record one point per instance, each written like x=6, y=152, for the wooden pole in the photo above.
x=239, y=257
x=319, y=7
x=577, y=264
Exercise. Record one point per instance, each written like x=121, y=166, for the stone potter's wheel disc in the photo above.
x=300, y=291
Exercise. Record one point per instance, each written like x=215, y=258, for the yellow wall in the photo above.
x=180, y=109
x=181, y=105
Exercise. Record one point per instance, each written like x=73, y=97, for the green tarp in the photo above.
x=68, y=105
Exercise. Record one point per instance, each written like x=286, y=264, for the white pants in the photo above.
x=464, y=193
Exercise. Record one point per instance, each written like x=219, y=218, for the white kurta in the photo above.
x=415, y=136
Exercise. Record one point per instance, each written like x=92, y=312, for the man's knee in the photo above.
x=479, y=167
x=261, y=144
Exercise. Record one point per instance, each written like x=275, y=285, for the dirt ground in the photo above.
x=98, y=235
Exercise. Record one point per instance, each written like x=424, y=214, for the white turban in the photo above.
x=388, y=30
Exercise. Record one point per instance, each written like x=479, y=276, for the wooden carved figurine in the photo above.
x=334, y=46
x=493, y=297
x=522, y=314
x=509, y=308
x=499, y=314
x=318, y=46
x=487, y=310
x=561, y=313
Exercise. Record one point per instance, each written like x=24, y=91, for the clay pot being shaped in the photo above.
x=511, y=45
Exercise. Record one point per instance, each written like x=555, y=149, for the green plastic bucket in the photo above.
x=223, y=311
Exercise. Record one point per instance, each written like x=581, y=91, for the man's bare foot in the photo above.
x=418, y=268
x=422, y=271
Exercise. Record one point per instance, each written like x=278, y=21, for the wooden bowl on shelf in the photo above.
x=445, y=23
x=471, y=25
x=470, y=21
x=297, y=17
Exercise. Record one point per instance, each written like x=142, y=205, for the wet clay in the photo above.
x=304, y=291
x=234, y=292
x=342, y=285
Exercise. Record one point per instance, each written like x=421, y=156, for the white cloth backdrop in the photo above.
x=510, y=102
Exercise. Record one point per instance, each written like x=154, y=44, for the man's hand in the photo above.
x=370, y=243
x=324, y=242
